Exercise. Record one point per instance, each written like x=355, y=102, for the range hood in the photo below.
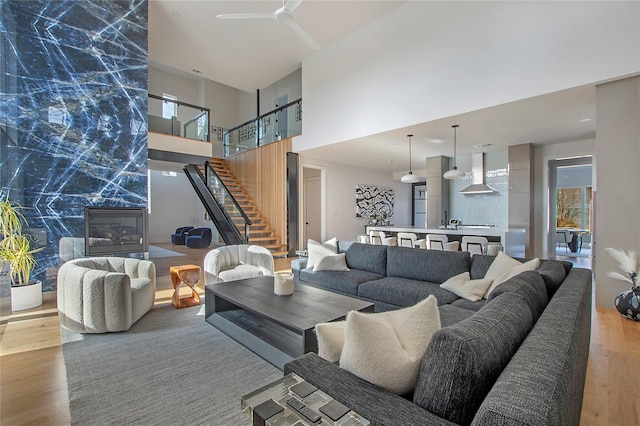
x=477, y=171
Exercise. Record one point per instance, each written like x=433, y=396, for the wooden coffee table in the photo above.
x=278, y=328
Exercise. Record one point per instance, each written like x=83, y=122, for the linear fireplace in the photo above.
x=115, y=230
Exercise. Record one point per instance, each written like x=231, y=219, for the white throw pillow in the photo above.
x=386, y=348
x=332, y=262
x=330, y=339
x=531, y=265
x=462, y=285
x=317, y=250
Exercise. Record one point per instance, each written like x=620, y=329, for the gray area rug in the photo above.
x=170, y=368
x=156, y=252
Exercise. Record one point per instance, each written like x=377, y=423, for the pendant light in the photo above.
x=409, y=177
x=454, y=173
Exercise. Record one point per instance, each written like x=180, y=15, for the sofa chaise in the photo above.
x=518, y=357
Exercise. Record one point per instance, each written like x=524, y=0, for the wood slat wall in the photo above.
x=262, y=172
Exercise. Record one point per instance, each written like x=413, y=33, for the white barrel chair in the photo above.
x=236, y=262
x=104, y=294
x=410, y=239
x=441, y=242
x=473, y=244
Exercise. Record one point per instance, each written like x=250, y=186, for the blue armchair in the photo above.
x=180, y=235
x=198, y=238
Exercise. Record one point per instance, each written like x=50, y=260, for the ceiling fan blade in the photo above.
x=306, y=38
x=291, y=5
x=246, y=16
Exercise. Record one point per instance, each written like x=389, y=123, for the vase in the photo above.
x=628, y=303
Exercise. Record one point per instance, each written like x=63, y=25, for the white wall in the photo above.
x=340, y=197
x=430, y=60
x=290, y=84
x=617, y=199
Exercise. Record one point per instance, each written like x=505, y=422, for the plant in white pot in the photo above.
x=15, y=248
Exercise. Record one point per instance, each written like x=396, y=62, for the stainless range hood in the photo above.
x=477, y=170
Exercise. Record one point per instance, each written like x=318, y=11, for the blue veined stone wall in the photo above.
x=73, y=113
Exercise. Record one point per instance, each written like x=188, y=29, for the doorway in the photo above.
x=312, y=204
x=571, y=207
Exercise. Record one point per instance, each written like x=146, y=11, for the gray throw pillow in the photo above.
x=464, y=360
x=530, y=286
x=553, y=273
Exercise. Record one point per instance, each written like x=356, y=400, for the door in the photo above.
x=312, y=209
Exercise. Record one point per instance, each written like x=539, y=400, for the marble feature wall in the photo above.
x=73, y=122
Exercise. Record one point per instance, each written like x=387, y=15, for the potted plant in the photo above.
x=15, y=249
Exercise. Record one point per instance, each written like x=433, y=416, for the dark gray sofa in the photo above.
x=518, y=358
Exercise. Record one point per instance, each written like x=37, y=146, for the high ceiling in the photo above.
x=187, y=36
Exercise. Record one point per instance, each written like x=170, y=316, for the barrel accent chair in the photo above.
x=104, y=294
x=179, y=236
x=236, y=262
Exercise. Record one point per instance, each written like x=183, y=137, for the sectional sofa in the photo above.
x=519, y=357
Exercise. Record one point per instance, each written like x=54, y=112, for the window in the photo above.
x=169, y=109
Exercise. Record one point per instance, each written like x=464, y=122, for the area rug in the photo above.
x=156, y=252
x=170, y=368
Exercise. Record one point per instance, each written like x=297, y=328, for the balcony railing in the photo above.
x=186, y=120
x=283, y=122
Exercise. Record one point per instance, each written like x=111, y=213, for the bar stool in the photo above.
x=441, y=242
x=473, y=244
x=379, y=238
x=409, y=239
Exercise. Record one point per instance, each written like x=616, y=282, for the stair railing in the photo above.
x=224, y=197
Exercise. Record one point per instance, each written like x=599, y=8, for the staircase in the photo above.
x=260, y=232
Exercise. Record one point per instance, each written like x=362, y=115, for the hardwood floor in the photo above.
x=33, y=386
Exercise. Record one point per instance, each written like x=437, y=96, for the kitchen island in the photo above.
x=512, y=239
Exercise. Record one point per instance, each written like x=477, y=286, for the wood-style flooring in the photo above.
x=33, y=386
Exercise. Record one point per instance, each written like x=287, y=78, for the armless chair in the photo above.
x=409, y=239
x=441, y=242
x=473, y=244
x=563, y=237
x=379, y=238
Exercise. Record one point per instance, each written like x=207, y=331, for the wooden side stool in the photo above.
x=188, y=275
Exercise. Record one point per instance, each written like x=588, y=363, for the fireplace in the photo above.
x=115, y=230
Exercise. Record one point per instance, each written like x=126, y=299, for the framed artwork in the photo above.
x=372, y=200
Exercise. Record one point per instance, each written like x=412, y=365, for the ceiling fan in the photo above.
x=283, y=14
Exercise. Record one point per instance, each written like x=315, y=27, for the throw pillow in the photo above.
x=317, y=250
x=386, y=348
x=332, y=262
x=531, y=265
x=462, y=285
x=330, y=340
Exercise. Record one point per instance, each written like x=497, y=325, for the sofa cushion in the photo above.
x=346, y=282
x=403, y=291
x=505, y=267
x=386, y=348
x=464, y=360
x=553, y=273
x=450, y=314
x=462, y=285
x=331, y=262
x=530, y=286
x=434, y=266
x=330, y=337
x=468, y=304
x=367, y=257
x=480, y=264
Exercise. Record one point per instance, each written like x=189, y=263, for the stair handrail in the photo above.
x=208, y=168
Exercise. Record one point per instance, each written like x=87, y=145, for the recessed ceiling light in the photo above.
x=482, y=145
x=585, y=120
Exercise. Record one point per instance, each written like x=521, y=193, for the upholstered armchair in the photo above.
x=180, y=235
x=198, y=238
x=379, y=238
x=235, y=262
x=104, y=294
x=410, y=239
x=441, y=242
